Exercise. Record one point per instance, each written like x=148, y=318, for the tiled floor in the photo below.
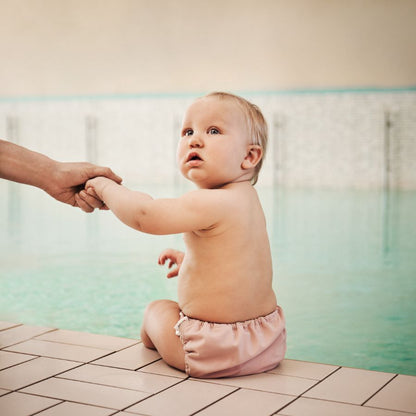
x=51, y=372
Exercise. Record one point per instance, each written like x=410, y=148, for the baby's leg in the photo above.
x=158, y=333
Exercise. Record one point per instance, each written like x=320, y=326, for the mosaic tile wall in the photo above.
x=361, y=140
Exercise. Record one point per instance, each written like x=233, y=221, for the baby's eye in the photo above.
x=213, y=130
x=188, y=132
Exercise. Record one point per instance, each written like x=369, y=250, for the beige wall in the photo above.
x=65, y=47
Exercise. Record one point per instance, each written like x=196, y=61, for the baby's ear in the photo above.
x=253, y=156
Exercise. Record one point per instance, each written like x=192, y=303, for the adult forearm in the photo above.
x=22, y=165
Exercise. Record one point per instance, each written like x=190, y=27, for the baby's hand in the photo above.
x=90, y=197
x=174, y=257
x=89, y=201
x=96, y=186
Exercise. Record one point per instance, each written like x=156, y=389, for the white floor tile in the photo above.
x=19, y=404
x=399, y=394
x=349, y=385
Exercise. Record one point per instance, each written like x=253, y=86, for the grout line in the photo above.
x=343, y=403
x=216, y=401
x=153, y=394
x=124, y=368
x=381, y=388
x=47, y=408
x=223, y=381
x=23, y=353
x=97, y=384
x=115, y=352
x=398, y=412
x=300, y=396
x=320, y=381
x=75, y=345
x=134, y=340
x=99, y=358
x=32, y=357
x=286, y=405
x=60, y=376
x=40, y=380
x=69, y=401
x=79, y=402
x=51, y=357
x=5, y=348
x=109, y=352
x=26, y=340
x=151, y=372
x=10, y=327
x=46, y=332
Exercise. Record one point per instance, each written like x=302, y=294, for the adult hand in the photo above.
x=59, y=179
x=70, y=178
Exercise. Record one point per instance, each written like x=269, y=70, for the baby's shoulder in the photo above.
x=230, y=198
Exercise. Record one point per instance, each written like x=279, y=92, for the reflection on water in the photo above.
x=344, y=270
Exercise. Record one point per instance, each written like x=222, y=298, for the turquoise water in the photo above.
x=344, y=261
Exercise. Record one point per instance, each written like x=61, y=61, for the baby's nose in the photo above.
x=195, y=141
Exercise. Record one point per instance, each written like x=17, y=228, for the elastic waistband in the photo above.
x=269, y=316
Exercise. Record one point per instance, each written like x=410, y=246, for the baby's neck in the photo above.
x=227, y=184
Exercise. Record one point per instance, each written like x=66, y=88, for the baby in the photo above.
x=226, y=321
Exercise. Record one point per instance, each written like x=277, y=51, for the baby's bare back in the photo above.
x=226, y=275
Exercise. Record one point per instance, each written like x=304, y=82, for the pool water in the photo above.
x=344, y=265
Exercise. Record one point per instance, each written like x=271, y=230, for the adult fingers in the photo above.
x=94, y=171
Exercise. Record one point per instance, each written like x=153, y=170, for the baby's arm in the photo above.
x=122, y=201
x=174, y=257
x=195, y=210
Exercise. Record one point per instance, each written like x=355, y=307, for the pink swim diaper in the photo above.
x=214, y=350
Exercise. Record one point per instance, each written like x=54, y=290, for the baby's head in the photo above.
x=255, y=123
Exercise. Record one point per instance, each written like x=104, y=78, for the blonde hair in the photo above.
x=256, y=125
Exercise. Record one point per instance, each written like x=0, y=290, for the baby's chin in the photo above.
x=204, y=181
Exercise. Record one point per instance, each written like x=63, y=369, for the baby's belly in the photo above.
x=223, y=303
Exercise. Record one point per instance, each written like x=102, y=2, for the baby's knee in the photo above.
x=158, y=307
x=154, y=306
x=147, y=342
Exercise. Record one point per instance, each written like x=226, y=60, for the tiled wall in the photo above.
x=317, y=139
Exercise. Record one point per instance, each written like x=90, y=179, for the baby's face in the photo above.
x=213, y=144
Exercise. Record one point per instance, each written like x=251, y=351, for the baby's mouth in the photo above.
x=193, y=157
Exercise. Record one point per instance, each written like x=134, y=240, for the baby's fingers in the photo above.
x=82, y=204
x=173, y=273
x=91, y=200
x=91, y=192
x=165, y=255
x=161, y=260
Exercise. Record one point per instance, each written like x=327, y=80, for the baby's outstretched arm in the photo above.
x=174, y=257
x=122, y=201
x=195, y=210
